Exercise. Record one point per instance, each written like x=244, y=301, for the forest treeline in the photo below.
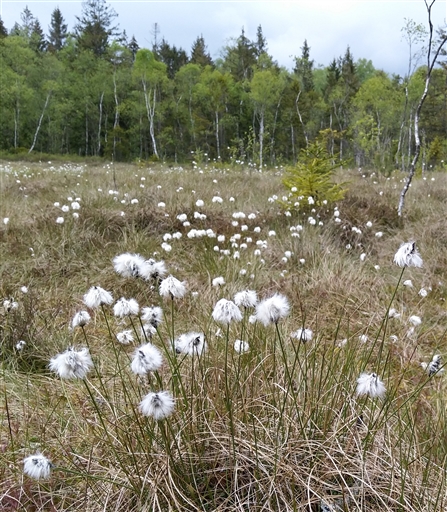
x=95, y=92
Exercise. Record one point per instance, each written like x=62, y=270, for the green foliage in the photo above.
x=313, y=176
x=92, y=93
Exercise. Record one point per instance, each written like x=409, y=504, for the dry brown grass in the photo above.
x=279, y=428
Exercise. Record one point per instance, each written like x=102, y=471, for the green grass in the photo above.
x=276, y=429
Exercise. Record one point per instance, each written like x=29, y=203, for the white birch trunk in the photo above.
x=40, y=122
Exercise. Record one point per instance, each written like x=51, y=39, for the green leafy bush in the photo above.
x=313, y=176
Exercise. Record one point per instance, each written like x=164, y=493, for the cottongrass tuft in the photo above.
x=147, y=358
x=225, y=311
x=125, y=307
x=271, y=310
x=393, y=313
x=152, y=269
x=80, y=319
x=128, y=265
x=96, y=297
x=157, y=405
x=218, y=281
x=415, y=320
x=303, y=335
x=371, y=385
x=172, y=287
x=37, y=466
x=125, y=337
x=191, y=343
x=408, y=256
x=20, y=345
x=241, y=347
x=423, y=292
x=148, y=331
x=434, y=367
x=246, y=299
x=153, y=315
x=10, y=305
x=72, y=364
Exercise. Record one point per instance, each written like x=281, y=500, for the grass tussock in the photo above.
x=278, y=426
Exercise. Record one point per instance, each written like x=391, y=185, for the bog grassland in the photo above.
x=293, y=366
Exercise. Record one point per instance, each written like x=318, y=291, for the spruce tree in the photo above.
x=37, y=39
x=349, y=73
x=133, y=47
x=241, y=58
x=57, y=31
x=260, y=43
x=3, y=31
x=27, y=23
x=304, y=68
x=95, y=27
x=171, y=56
x=199, y=54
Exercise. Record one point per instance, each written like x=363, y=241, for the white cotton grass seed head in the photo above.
x=10, y=305
x=423, y=292
x=191, y=343
x=72, y=364
x=415, y=320
x=37, y=466
x=157, y=405
x=241, y=347
x=125, y=307
x=218, y=281
x=125, y=337
x=370, y=384
x=408, y=256
x=225, y=311
x=152, y=315
x=148, y=331
x=20, y=345
x=273, y=309
x=80, y=319
x=434, y=367
x=408, y=283
x=153, y=269
x=246, y=298
x=303, y=335
x=97, y=297
x=128, y=265
x=146, y=358
x=172, y=287
x=393, y=313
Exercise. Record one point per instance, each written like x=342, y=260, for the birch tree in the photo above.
x=433, y=51
x=151, y=75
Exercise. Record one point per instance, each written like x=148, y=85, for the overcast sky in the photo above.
x=372, y=28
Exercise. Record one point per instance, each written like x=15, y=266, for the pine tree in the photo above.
x=199, y=54
x=57, y=31
x=95, y=27
x=3, y=31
